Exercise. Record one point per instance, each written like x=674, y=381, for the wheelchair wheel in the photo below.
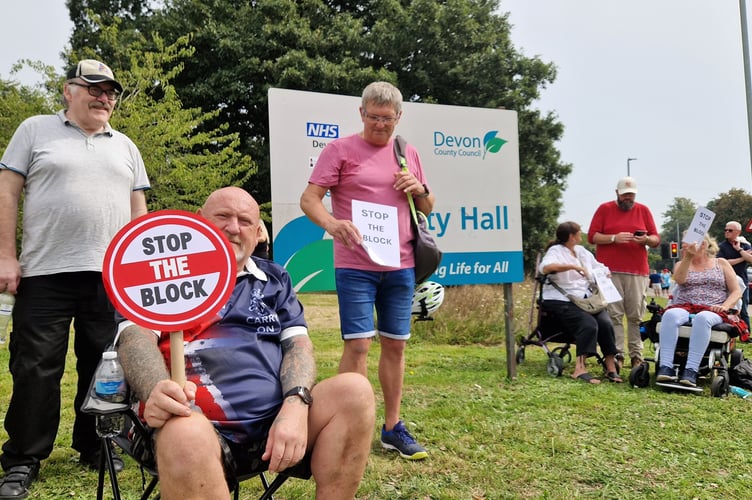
x=639, y=376
x=554, y=365
x=737, y=355
x=563, y=353
x=719, y=387
x=520, y=355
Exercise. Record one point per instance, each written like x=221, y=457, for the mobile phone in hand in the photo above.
x=640, y=233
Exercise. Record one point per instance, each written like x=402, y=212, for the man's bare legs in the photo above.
x=341, y=424
x=189, y=459
x=340, y=430
x=391, y=371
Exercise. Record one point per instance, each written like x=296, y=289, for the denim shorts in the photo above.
x=390, y=293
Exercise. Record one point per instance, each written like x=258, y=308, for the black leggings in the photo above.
x=588, y=330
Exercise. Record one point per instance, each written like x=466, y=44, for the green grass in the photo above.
x=494, y=438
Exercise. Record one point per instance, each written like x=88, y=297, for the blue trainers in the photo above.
x=689, y=377
x=665, y=374
x=399, y=439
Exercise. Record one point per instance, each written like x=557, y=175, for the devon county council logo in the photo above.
x=466, y=146
x=491, y=143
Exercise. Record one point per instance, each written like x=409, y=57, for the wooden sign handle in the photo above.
x=177, y=358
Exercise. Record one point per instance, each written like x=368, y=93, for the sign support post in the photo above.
x=177, y=358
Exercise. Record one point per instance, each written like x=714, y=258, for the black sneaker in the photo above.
x=665, y=374
x=15, y=484
x=92, y=459
x=689, y=377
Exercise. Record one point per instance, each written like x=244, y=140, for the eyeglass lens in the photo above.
x=380, y=119
x=95, y=91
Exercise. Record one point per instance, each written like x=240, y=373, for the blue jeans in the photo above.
x=390, y=293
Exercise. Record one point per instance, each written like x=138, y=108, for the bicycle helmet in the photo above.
x=427, y=298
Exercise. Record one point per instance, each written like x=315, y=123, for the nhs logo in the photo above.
x=325, y=130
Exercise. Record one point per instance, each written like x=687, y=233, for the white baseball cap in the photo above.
x=626, y=185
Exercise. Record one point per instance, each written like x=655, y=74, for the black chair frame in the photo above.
x=547, y=330
x=135, y=441
x=719, y=357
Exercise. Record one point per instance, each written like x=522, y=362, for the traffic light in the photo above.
x=665, y=255
x=674, y=250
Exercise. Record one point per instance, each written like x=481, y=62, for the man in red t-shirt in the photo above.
x=621, y=231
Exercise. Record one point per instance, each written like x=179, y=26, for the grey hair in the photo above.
x=737, y=226
x=63, y=99
x=382, y=93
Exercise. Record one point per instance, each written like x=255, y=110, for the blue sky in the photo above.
x=659, y=81
x=36, y=30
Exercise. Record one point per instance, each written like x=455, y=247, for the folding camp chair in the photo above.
x=135, y=441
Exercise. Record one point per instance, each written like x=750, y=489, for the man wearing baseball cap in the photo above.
x=621, y=231
x=82, y=182
x=92, y=71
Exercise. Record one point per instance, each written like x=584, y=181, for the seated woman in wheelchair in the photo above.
x=573, y=266
x=706, y=286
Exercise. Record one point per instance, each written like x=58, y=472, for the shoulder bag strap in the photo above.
x=561, y=290
x=399, y=148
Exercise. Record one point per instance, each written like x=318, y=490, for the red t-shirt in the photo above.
x=630, y=258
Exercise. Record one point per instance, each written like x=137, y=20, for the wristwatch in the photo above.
x=424, y=195
x=613, y=238
x=302, y=392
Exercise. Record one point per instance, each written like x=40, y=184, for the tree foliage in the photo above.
x=735, y=204
x=677, y=218
x=185, y=160
x=18, y=102
x=455, y=52
x=89, y=30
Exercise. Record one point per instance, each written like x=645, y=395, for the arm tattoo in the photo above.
x=142, y=361
x=298, y=365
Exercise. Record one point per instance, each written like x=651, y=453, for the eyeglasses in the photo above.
x=728, y=230
x=95, y=91
x=380, y=119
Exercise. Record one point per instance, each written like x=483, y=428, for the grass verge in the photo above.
x=494, y=438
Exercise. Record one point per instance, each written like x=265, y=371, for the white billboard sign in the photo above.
x=470, y=158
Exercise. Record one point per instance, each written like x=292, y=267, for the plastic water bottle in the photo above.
x=6, y=308
x=109, y=385
x=742, y=393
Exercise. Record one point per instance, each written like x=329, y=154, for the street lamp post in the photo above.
x=629, y=160
x=747, y=78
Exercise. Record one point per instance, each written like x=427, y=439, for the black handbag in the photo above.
x=426, y=254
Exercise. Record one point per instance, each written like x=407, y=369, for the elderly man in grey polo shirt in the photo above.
x=82, y=181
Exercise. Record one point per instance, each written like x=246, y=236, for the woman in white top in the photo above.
x=571, y=266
